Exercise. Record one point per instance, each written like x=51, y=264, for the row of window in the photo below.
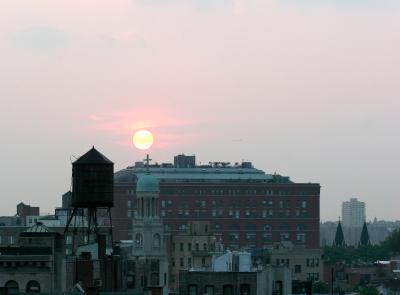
x=236, y=202
x=188, y=264
x=234, y=213
x=226, y=290
x=248, y=226
x=189, y=247
x=10, y=240
x=267, y=237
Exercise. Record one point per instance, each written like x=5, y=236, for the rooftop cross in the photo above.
x=147, y=161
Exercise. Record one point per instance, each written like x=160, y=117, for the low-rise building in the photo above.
x=305, y=264
x=35, y=264
x=193, y=248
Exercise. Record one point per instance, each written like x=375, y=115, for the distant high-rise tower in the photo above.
x=353, y=213
x=339, y=237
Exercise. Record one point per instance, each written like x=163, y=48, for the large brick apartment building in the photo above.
x=246, y=207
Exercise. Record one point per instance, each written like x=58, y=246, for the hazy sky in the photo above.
x=308, y=89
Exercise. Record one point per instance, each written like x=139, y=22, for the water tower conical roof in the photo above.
x=93, y=156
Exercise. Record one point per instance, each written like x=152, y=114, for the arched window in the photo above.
x=12, y=286
x=33, y=287
x=156, y=241
x=139, y=240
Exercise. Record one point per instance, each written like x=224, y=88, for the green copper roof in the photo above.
x=147, y=183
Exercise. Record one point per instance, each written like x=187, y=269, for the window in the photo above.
x=244, y=289
x=234, y=237
x=267, y=227
x=162, y=213
x=237, y=214
x=247, y=212
x=303, y=204
x=204, y=247
x=192, y=289
x=156, y=241
x=280, y=204
x=189, y=262
x=173, y=261
x=267, y=238
x=209, y=290
x=284, y=236
x=297, y=268
x=313, y=276
x=181, y=247
x=300, y=238
x=139, y=240
x=197, y=247
x=162, y=204
x=129, y=204
x=227, y=290
x=203, y=261
x=264, y=213
x=68, y=240
x=189, y=246
x=12, y=240
x=214, y=213
x=271, y=212
x=251, y=237
x=203, y=204
x=182, y=227
x=32, y=287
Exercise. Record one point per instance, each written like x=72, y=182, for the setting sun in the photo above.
x=143, y=139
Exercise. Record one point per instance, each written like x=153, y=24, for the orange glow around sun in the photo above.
x=143, y=139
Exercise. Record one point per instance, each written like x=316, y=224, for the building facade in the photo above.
x=193, y=249
x=353, y=213
x=246, y=207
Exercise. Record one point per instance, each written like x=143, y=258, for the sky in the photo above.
x=308, y=89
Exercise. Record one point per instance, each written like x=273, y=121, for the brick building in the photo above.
x=245, y=206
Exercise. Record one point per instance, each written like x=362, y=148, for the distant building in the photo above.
x=305, y=264
x=26, y=210
x=183, y=161
x=35, y=263
x=232, y=274
x=378, y=231
x=353, y=213
x=192, y=249
x=245, y=206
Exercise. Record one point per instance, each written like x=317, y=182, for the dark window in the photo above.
x=189, y=246
x=297, y=268
x=227, y=290
x=244, y=289
x=181, y=247
x=192, y=290
x=33, y=287
x=209, y=290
